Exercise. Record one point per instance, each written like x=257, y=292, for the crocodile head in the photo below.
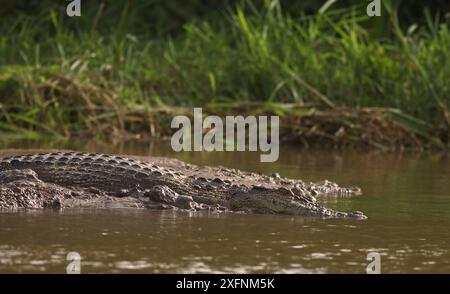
x=284, y=201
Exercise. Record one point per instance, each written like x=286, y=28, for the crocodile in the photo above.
x=78, y=179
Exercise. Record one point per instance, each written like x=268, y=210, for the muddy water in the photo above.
x=406, y=197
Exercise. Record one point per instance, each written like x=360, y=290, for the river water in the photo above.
x=406, y=197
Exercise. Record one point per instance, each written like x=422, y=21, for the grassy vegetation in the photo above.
x=335, y=77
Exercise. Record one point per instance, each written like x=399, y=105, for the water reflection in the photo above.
x=142, y=241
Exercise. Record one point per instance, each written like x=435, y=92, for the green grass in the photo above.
x=60, y=79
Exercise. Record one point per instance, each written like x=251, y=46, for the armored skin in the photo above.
x=77, y=179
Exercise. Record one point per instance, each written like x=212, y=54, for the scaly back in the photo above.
x=77, y=169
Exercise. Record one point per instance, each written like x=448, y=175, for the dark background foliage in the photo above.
x=168, y=16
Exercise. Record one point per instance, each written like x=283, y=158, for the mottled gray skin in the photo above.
x=76, y=179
